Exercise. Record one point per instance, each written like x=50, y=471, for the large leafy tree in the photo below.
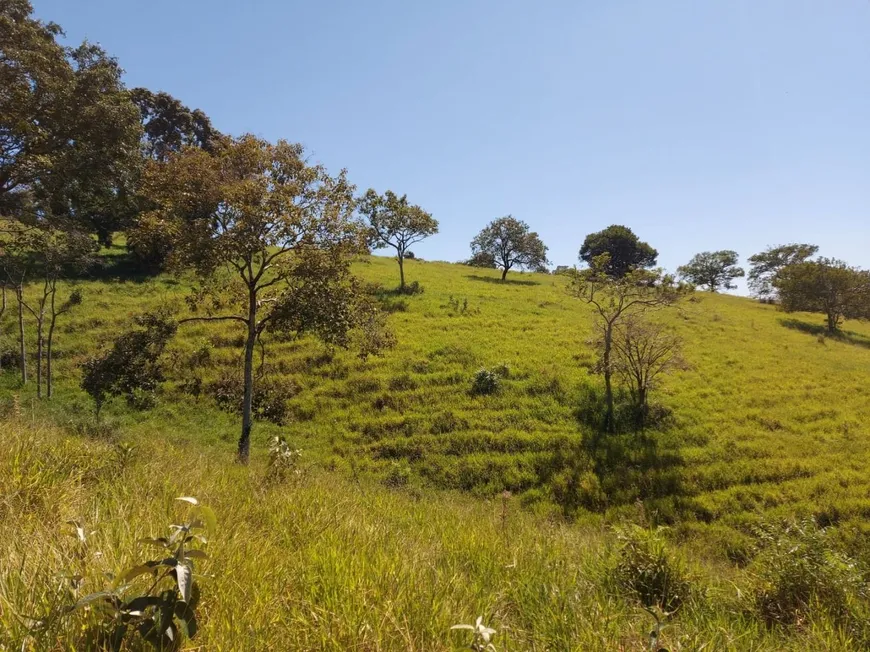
x=394, y=222
x=168, y=125
x=712, y=269
x=617, y=299
x=69, y=132
x=827, y=286
x=271, y=238
x=624, y=249
x=764, y=266
x=510, y=243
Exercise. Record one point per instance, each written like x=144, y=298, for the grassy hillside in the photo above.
x=770, y=421
x=769, y=425
x=323, y=563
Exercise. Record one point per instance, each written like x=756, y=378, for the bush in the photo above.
x=412, y=288
x=269, y=400
x=648, y=570
x=799, y=572
x=398, y=475
x=485, y=382
x=283, y=461
x=402, y=383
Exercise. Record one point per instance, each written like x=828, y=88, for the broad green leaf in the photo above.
x=160, y=542
x=187, y=617
x=195, y=554
x=136, y=571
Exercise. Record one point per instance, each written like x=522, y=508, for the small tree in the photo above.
x=644, y=351
x=766, y=265
x=511, y=244
x=626, y=250
x=271, y=239
x=132, y=364
x=393, y=222
x=615, y=299
x=713, y=269
x=53, y=251
x=828, y=286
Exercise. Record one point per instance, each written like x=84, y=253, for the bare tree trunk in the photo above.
x=401, y=258
x=39, y=322
x=2, y=312
x=48, y=384
x=608, y=381
x=504, y=273
x=248, y=402
x=22, y=349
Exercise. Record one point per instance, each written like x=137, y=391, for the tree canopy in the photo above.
x=511, y=244
x=271, y=238
x=712, y=269
x=827, y=286
x=624, y=249
x=69, y=131
x=764, y=266
x=394, y=222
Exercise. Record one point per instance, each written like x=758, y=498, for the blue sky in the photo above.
x=701, y=125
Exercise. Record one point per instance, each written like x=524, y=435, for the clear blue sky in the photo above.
x=701, y=125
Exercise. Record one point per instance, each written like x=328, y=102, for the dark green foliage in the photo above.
x=764, y=266
x=713, y=270
x=799, y=572
x=828, y=286
x=132, y=365
x=510, y=243
x=649, y=571
x=269, y=401
x=482, y=259
x=162, y=615
x=625, y=250
x=485, y=382
x=446, y=422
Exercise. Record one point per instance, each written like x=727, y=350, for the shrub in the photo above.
x=283, y=461
x=648, y=570
x=485, y=382
x=798, y=572
x=398, y=474
x=269, y=400
x=163, y=613
x=412, y=288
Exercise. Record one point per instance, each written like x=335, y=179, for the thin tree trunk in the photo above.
x=39, y=323
x=2, y=312
x=48, y=384
x=248, y=402
x=401, y=271
x=504, y=273
x=608, y=384
x=22, y=349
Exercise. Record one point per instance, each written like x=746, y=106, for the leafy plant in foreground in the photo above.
x=481, y=636
x=283, y=461
x=163, y=614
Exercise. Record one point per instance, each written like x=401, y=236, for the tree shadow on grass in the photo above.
x=498, y=281
x=849, y=337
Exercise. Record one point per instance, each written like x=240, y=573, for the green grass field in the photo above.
x=770, y=423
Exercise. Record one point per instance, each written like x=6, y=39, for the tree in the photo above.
x=511, y=244
x=132, y=364
x=271, y=239
x=644, y=351
x=825, y=285
x=625, y=249
x=616, y=299
x=766, y=265
x=713, y=269
x=68, y=129
x=52, y=252
x=168, y=125
x=393, y=222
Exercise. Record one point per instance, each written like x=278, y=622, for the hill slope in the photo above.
x=770, y=420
